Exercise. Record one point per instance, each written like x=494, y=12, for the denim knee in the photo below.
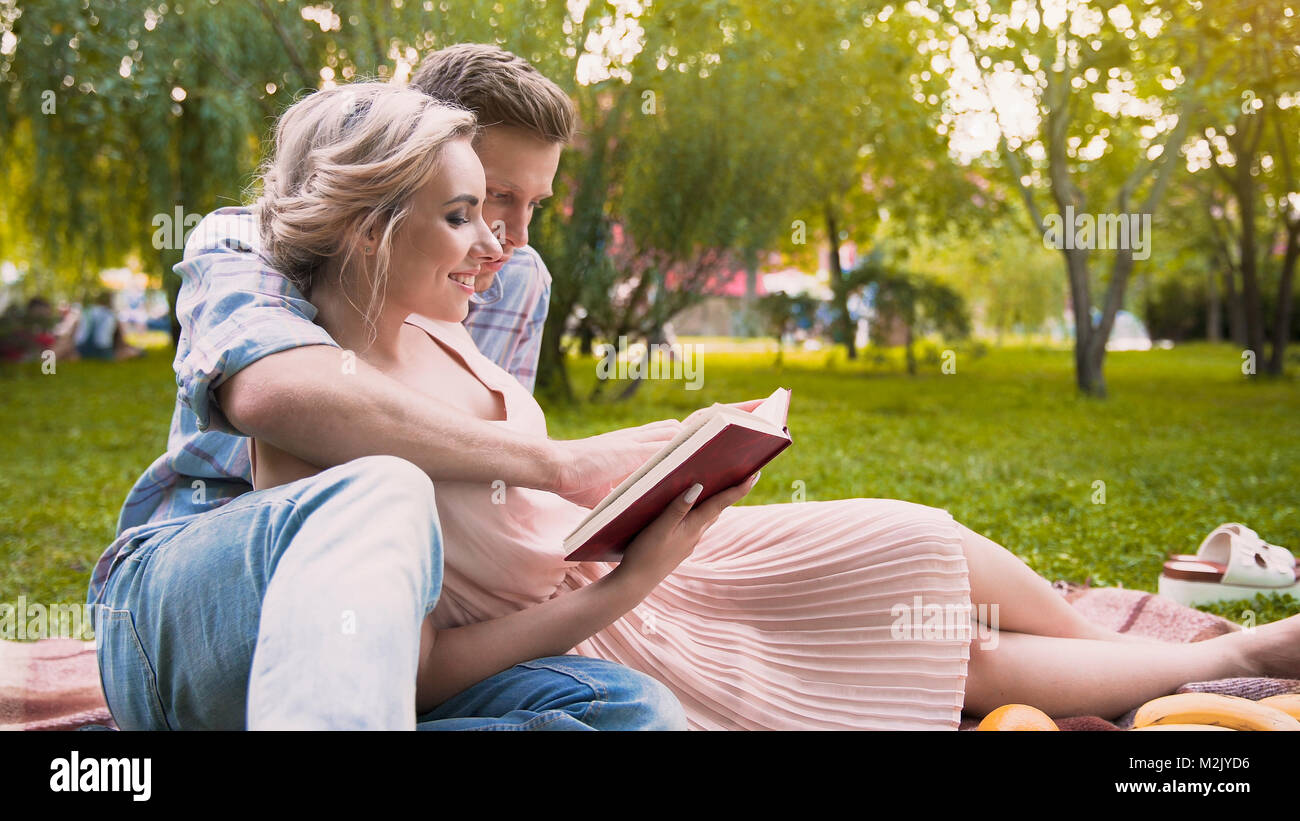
x=383, y=491
x=657, y=706
x=394, y=473
x=621, y=698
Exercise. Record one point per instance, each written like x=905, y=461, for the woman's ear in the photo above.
x=365, y=237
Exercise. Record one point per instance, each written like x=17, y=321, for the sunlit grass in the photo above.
x=1183, y=444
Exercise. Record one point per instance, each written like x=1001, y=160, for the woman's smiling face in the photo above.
x=440, y=247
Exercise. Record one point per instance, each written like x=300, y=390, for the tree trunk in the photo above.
x=1236, y=316
x=749, y=309
x=907, y=349
x=1092, y=374
x=1213, y=309
x=1282, y=317
x=552, y=375
x=172, y=285
x=1253, y=311
x=655, y=337
x=586, y=337
x=1087, y=366
x=839, y=288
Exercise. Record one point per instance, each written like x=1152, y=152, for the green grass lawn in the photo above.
x=1184, y=443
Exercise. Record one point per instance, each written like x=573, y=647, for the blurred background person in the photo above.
x=97, y=329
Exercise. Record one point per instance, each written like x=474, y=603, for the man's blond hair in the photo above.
x=500, y=88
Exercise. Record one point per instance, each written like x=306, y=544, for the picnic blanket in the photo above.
x=54, y=684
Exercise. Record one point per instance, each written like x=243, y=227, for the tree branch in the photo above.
x=308, y=79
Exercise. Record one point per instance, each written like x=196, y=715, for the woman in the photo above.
x=812, y=615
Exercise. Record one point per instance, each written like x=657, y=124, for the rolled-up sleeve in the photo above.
x=233, y=309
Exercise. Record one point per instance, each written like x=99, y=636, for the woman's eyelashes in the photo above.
x=458, y=218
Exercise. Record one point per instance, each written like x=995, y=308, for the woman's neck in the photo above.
x=345, y=322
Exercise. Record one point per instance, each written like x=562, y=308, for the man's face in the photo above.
x=519, y=169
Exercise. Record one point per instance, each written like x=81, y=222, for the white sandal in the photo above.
x=1232, y=563
x=1225, y=531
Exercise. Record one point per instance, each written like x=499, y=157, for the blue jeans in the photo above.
x=299, y=607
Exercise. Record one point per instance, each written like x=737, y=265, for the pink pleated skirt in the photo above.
x=818, y=615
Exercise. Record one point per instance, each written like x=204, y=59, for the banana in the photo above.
x=1288, y=703
x=1192, y=727
x=1211, y=708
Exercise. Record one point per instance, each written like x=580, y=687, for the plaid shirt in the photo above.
x=509, y=330
x=234, y=310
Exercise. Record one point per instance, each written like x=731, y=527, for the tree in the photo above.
x=121, y=121
x=1247, y=147
x=918, y=303
x=870, y=159
x=780, y=309
x=124, y=121
x=1009, y=280
x=1082, y=103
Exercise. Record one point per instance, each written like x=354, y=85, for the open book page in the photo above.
x=616, y=503
x=776, y=408
x=687, y=431
x=732, y=444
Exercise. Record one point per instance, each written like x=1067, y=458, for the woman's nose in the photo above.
x=487, y=247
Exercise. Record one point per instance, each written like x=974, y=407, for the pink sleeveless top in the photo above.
x=502, y=546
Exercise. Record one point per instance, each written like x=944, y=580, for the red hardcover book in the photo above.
x=720, y=448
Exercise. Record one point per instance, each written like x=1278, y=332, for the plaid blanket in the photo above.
x=54, y=684
x=51, y=684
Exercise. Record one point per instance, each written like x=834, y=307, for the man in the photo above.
x=218, y=603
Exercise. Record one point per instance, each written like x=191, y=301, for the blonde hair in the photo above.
x=348, y=160
x=500, y=88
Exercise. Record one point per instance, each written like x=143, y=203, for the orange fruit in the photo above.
x=1017, y=717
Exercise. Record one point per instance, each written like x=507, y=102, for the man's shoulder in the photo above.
x=526, y=264
x=225, y=229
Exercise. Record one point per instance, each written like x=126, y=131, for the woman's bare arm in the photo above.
x=452, y=660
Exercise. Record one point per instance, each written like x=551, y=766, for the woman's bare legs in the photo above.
x=1070, y=677
x=1026, y=602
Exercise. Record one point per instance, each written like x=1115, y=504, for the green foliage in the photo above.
x=779, y=311
x=114, y=116
x=1259, y=610
x=1010, y=281
x=733, y=128
x=920, y=304
x=1107, y=92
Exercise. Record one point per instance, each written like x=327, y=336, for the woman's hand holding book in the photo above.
x=672, y=537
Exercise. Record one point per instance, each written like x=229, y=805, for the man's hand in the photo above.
x=590, y=468
x=748, y=406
